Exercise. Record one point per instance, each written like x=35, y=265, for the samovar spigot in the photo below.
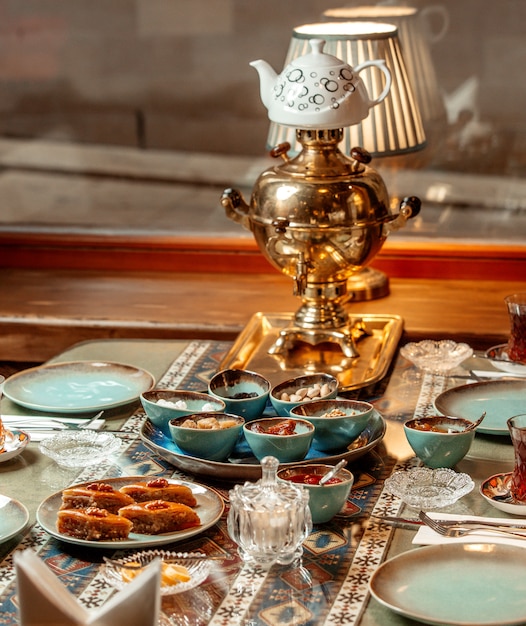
x=300, y=278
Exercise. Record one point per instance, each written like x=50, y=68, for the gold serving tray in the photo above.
x=377, y=347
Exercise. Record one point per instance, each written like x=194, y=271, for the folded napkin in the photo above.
x=497, y=374
x=427, y=536
x=43, y=599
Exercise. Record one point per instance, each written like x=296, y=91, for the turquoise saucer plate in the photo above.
x=77, y=386
x=13, y=518
x=501, y=399
x=15, y=442
x=461, y=584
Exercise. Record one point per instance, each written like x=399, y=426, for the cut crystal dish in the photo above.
x=424, y=488
x=81, y=448
x=436, y=356
x=119, y=572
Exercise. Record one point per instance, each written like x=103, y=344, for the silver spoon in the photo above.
x=331, y=473
x=475, y=424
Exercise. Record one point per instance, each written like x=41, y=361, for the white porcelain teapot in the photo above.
x=318, y=90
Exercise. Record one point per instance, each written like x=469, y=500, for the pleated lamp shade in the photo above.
x=416, y=35
x=393, y=126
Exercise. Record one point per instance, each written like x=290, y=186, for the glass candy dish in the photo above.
x=80, y=448
x=425, y=488
x=436, y=356
x=119, y=572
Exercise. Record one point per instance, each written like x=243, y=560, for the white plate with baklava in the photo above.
x=130, y=512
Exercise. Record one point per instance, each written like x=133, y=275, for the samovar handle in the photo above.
x=409, y=207
x=235, y=206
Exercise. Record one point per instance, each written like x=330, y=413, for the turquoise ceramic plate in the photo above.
x=467, y=584
x=209, y=507
x=501, y=399
x=13, y=518
x=77, y=386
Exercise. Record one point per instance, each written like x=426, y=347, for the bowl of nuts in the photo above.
x=210, y=436
x=337, y=422
x=286, y=395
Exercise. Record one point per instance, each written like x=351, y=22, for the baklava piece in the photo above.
x=160, y=489
x=99, y=495
x=157, y=516
x=93, y=524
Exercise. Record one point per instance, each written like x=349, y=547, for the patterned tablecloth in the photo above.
x=328, y=586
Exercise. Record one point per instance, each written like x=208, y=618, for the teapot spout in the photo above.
x=267, y=79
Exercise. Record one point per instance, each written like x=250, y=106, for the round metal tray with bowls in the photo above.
x=242, y=465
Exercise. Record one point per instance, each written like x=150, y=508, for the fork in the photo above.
x=451, y=531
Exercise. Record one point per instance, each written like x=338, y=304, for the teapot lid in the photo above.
x=317, y=58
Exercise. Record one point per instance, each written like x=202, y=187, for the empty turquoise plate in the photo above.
x=467, y=584
x=501, y=399
x=77, y=386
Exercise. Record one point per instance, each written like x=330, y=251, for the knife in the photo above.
x=449, y=522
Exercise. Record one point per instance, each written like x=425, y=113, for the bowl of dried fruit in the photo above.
x=210, y=436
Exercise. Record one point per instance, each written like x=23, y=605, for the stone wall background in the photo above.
x=174, y=74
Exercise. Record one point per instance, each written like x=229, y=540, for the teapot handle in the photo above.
x=380, y=64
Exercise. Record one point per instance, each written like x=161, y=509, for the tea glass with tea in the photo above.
x=517, y=428
x=516, y=304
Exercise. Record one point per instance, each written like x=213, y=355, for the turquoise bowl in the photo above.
x=244, y=393
x=287, y=448
x=212, y=444
x=349, y=419
x=325, y=501
x=282, y=394
x=194, y=401
x=439, y=441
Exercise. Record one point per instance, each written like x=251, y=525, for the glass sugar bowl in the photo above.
x=269, y=519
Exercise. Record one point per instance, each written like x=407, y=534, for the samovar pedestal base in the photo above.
x=377, y=337
x=343, y=336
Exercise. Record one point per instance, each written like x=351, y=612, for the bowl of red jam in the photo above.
x=325, y=501
x=285, y=438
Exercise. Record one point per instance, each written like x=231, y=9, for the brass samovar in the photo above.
x=320, y=216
